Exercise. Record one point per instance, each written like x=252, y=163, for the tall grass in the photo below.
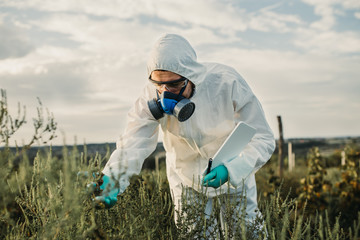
x=47, y=198
x=50, y=200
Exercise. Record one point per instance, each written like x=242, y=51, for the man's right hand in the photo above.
x=108, y=193
x=217, y=177
x=104, y=189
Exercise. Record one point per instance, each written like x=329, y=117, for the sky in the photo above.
x=86, y=60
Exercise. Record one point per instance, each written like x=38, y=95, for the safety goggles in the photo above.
x=174, y=85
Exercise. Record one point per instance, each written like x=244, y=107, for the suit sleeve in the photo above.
x=136, y=144
x=248, y=109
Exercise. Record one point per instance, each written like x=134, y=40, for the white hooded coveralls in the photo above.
x=222, y=99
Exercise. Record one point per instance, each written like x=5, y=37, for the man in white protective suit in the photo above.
x=197, y=105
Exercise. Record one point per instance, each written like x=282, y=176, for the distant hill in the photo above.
x=300, y=146
x=327, y=146
x=91, y=150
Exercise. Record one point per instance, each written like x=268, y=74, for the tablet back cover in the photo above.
x=234, y=143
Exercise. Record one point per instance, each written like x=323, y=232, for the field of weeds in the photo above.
x=47, y=198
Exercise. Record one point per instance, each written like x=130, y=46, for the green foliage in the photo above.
x=315, y=190
x=327, y=195
x=46, y=198
x=8, y=125
x=44, y=127
x=346, y=191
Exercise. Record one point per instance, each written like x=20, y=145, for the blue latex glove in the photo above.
x=109, y=192
x=217, y=177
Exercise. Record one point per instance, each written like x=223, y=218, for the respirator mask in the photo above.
x=170, y=103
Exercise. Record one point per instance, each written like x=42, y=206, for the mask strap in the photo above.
x=182, y=90
x=157, y=94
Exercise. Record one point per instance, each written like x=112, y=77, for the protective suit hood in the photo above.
x=175, y=54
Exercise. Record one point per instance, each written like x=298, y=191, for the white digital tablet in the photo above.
x=234, y=143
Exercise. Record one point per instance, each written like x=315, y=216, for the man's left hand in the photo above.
x=217, y=177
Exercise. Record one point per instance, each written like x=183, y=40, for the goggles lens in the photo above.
x=171, y=85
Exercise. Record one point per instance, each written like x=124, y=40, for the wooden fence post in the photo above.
x=280, y=146
x=293, y=160
x=343, y=158
x=290, y=162
x=157, y=157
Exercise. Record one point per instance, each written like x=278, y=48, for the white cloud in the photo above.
x=348, y=4
x=321, y=37
x=328, y=19
x=234, y=18
x=201, y=13
x=267, y=20
x=116, y=8
x=328, y=42
x=13, y=42
x=39, y=58
x=314, y=93
x=184, y=14
x=328, y=10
